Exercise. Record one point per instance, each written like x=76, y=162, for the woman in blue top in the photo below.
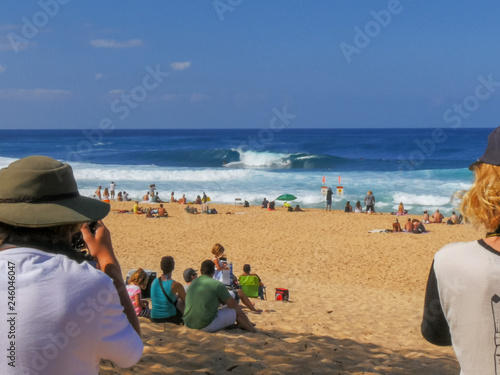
x=168, y=302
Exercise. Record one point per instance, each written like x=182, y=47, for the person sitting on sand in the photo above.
x=358, y=208
x=155, y=198
x=119, y=197
x=189, y=275
x=183, y=200
x=396, y=227
x=203, y=301
x=298, y=209
x=409, y=226
x=454, y=218
x=287, y=205
x=270, y=206
x=247, y=272
x=105, y=195
x=125, y=196
x=425, y=219
x=418, y=227
x=139, y=280
x=145, y=198
x=168, y=296
x=172, y=199
x=162, y=212
x=437, y=217
x=218, y=252
x=136, y=209
x=348, y=207
x=198, y=200
x=265, y=202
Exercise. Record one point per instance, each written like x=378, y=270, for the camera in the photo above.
x=78, y=244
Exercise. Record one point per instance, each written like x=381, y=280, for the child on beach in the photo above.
x=217, y=252
x=139, y=280
x=358, y=208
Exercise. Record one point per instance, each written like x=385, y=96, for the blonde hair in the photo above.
x=480, y=206
x=139, y=278
x=217, y=249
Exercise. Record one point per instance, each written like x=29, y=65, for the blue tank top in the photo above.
x=162, y=308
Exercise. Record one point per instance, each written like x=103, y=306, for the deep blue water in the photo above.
x=398, y=165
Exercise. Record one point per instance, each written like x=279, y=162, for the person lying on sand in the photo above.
x=298, y=209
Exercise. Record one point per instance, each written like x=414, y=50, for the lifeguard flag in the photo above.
x=324, y=179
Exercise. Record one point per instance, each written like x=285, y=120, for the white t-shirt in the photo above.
x=65, y=316
x=463, y=299
x=112, y=186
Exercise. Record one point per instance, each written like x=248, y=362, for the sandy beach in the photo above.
x=356, y=298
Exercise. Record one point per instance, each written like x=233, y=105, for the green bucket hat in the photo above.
x=38, y=191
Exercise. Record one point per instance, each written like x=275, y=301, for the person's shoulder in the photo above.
x=134, y=289
x=454, y=248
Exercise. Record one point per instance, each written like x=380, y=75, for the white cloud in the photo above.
x=2, y=68
x=34, y=94
x=111, y=43
x=180, y=65
x=99, y=76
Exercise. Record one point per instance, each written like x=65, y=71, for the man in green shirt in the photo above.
x=203, y=301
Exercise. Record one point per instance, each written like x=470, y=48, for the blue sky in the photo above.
x=234, y=63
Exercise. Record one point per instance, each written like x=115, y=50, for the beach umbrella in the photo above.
x=286, y=197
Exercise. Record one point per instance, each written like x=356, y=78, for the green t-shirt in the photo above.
x=203, y=300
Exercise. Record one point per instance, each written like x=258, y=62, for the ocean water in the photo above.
x=423, y=168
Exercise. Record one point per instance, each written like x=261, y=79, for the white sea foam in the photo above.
x=429, y=200
x=255, y=159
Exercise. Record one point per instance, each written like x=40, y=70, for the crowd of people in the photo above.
x=206, y=302
x=40, y=237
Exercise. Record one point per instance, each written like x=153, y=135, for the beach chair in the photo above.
x=238, y=201
x=251, y=287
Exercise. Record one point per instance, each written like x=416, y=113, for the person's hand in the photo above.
x=99, y=244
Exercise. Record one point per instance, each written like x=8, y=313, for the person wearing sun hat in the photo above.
x=63, y=315
x=462, y=301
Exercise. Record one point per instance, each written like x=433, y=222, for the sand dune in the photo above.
x=356, y=298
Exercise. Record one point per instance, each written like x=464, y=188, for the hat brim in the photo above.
x=65, y=211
